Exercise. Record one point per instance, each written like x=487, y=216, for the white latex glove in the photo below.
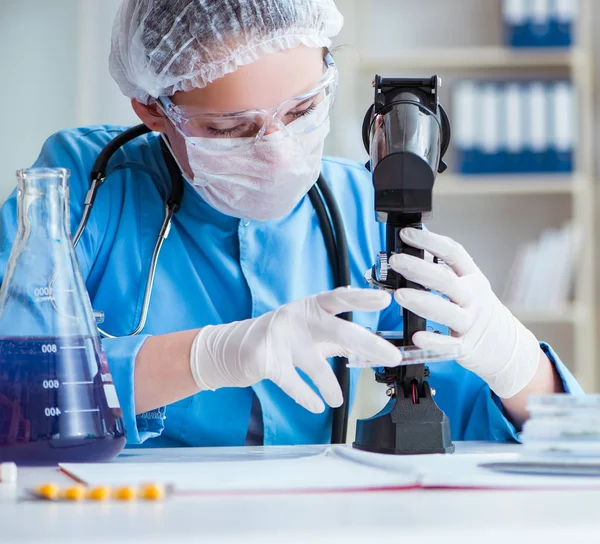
x=300, y=334
x=495, y=344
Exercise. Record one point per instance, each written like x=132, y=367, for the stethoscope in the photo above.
x=330, y=223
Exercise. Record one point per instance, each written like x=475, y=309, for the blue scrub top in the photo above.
x=217, y=269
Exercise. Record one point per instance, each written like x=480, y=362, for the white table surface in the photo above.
x=446, y=516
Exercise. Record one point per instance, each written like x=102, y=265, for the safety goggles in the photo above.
x=296, y=116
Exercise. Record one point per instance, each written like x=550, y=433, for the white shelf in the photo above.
x=474, y=58
x=452, y=184
x=574, y=195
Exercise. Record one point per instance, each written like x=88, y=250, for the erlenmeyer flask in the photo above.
x=57, y=399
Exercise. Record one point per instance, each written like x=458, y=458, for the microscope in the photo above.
x=406, y=133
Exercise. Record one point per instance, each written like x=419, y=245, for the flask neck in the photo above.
x=43, y=204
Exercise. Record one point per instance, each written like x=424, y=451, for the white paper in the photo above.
x=464, y=470
x=338, y=468
x=318, y=472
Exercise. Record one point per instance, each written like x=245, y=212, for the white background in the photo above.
x=54, y=64
x=54, y=75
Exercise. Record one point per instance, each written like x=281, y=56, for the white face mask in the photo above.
x=261, y=183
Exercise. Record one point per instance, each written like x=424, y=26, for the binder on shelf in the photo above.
x=537, y=152
x=539, y=23
x=489, y=136
x=464, y=131
x=515, y=23
x=564, y=14
x=514, y=128
x=510, y=127
x=562, y=133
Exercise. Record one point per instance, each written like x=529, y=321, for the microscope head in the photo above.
x=406, y=133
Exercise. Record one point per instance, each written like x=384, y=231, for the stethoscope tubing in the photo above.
x=330, y=222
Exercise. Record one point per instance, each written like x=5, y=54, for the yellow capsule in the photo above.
x=48, y=491
x=100, y=493
x=126, y=493
x=75, y=493
x=152, y=492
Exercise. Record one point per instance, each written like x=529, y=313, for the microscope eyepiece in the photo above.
x=406, y=133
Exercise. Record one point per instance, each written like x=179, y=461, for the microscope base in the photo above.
x=404, y=428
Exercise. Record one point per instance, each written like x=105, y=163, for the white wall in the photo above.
x=54, y=74
x=38, y=82
x=100, y=100
x=64, y=44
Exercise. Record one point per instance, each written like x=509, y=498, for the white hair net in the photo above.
x=163, y=46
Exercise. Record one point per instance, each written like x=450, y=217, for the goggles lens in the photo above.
x=296, y=116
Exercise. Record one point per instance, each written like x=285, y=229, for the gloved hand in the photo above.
x=300, y=334
x=495, y=345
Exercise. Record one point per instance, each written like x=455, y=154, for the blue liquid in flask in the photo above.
x=57, y=399
x=57, y=402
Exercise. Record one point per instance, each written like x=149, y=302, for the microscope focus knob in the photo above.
x=382, y=266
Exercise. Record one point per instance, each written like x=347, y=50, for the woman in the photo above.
x=234, y=350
